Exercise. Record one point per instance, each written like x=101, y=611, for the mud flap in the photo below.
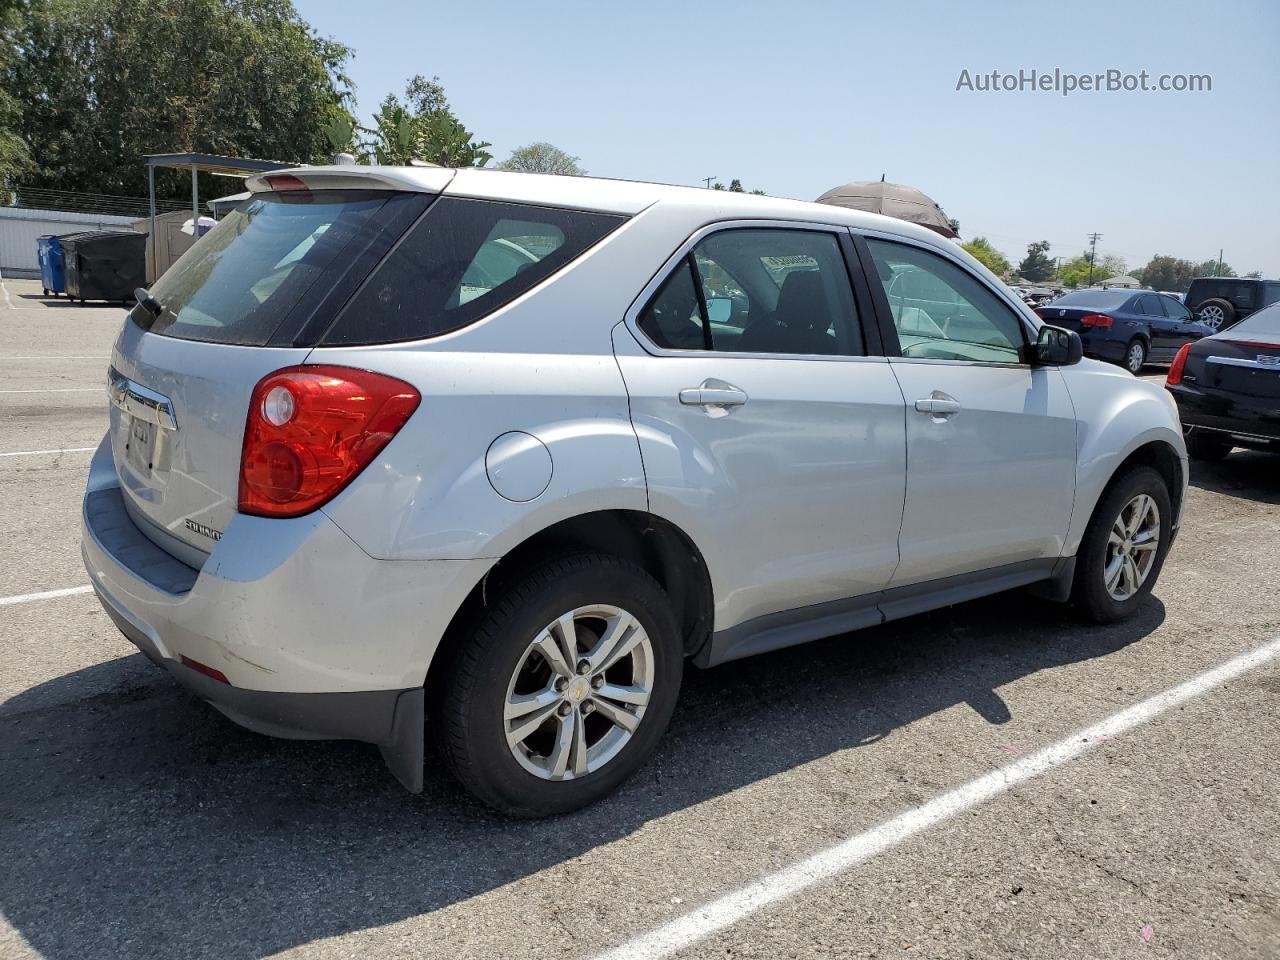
x=404, y=753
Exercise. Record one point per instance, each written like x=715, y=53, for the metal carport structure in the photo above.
x=198, y=163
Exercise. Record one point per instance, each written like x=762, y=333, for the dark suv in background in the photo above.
x=1221, y=302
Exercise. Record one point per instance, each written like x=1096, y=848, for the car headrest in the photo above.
x=802, y=301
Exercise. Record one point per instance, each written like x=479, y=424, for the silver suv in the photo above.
x=487, y=456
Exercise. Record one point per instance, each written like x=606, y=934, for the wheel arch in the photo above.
x=1156, y=451
x=655, y=544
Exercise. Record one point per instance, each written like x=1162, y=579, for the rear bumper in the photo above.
x=1249, y=419
x=316, y=639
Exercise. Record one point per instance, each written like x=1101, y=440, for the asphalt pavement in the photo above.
x=137, y=822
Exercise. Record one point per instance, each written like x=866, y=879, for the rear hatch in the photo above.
x=248, y=298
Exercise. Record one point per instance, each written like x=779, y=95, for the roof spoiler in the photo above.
x=350, y=177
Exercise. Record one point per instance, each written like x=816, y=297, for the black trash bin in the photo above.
x=104, y=265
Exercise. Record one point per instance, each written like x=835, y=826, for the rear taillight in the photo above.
x=1175, y=368
x=311, y=430
x=1096, y=320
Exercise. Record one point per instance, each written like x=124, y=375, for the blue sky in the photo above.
x=797, y=97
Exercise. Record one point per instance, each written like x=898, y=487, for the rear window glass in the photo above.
x=1104, y=299
x=1265, y=321
x=460, y=262
x=268, y=263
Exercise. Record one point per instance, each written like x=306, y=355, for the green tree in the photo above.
x=15, y=158
x=1109, y=265
x=103, y=82
x=1211, y=268
x=735, y=186
x=1036, y=265
x=420, y=127
x=1075, y=272
x=1254, y=274
x=1167, y=273
x=980, y=249
x=542, y=158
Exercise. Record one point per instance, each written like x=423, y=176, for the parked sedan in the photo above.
x=1128, y=327
x=374, y=474
x=1228, y=388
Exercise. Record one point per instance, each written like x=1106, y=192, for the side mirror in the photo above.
x=1057, y=347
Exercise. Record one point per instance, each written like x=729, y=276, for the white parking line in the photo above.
x=46, y=357
x=60, y=390
x=46, y=595
x=740, y=904
x=36, y=453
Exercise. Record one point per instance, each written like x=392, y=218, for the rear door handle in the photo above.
x=713, y=397
x=938, y=404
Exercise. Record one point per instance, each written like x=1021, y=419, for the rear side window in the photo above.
x=270, y=262
x=463, y=260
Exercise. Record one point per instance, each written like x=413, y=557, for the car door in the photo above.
x=991, y=440
x=1166, y=333
x=770, y=430
x=1185, y=328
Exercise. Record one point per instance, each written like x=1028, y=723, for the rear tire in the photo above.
x=1098, y=595
x=1135, y=356
x=595, y=731
x=1210, y=449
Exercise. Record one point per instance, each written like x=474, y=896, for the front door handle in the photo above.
x=713, y=397
x=938, y=405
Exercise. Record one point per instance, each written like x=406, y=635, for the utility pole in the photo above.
x=1093, y=249
x=707, y=181
x=1217, y=271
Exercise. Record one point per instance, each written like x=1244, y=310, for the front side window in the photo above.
x=1173, y=309
x=758, y=290
x=942, y=312
x=460, y=262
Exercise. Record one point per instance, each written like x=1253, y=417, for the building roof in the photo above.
x=212, y=163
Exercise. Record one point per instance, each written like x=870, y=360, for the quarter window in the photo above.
x=772, y=291
x=460, y=262
x=940, y=311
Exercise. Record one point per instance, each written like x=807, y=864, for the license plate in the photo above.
x=141, y=445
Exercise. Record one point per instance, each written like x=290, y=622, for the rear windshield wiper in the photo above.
x=148, y=302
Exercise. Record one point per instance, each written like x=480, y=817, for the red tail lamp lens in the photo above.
x=1096, y=320
x=1179, y=362
x=311, y=430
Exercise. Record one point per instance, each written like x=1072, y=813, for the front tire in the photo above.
x=1124, y=546
x=565, y=687
x=1135, y=356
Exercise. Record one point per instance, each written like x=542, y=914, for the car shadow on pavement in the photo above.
x=1244, y=474
x=139, y=821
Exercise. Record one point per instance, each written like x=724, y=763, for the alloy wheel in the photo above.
x=1137, y=356
x=1212, y=316
x=579, y=692
x=1131, y=547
